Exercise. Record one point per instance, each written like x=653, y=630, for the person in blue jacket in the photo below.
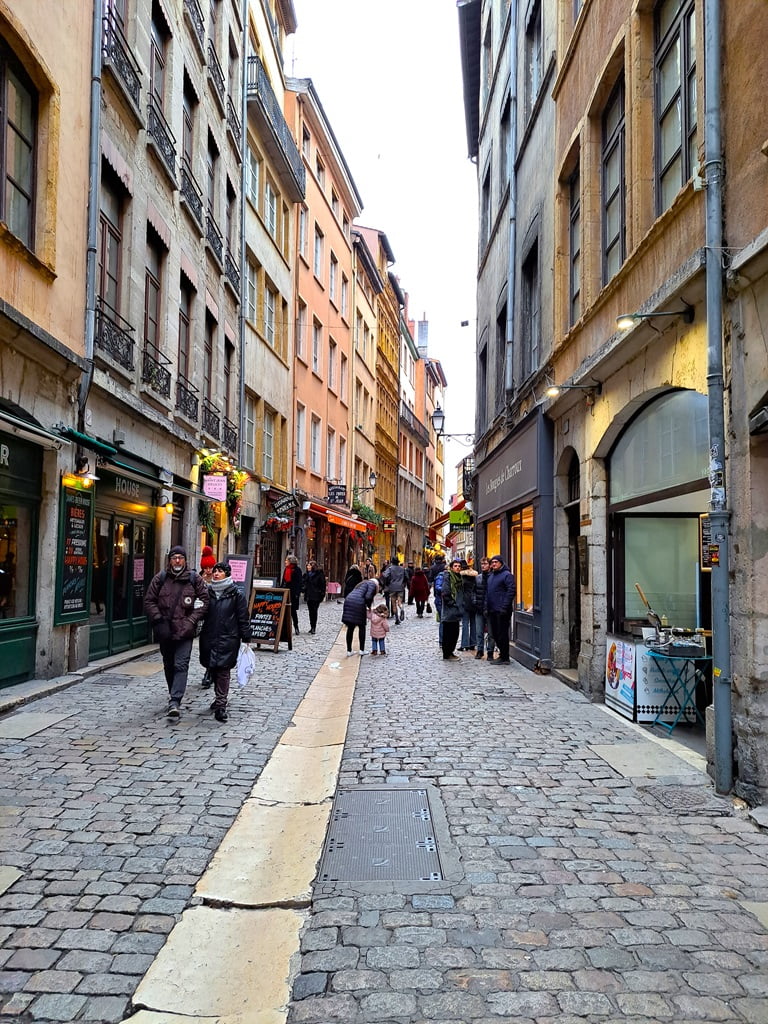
x=499, y=605
x=354, y=613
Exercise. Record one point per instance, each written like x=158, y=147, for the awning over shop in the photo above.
x=14, y=420
x=335, y=516
x=146, y=475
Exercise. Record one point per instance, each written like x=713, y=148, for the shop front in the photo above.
x=515, y=519
x=333, y=538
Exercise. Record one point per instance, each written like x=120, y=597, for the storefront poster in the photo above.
x=73, y=570
x=242, y=572
x=215, y=486
x=620, y=676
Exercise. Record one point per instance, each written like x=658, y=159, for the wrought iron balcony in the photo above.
x=187, y=401
x=214, y=239
x=216, y=75
x=154, y=370
x=276, y=134
x=116, y=54
x=159, y=131
x=191, y=195
x=194, y=17
x=114, y=335
x=234, y=126
x=229, y=439
x=232, y=271
x=414, y=425
x=211, y=420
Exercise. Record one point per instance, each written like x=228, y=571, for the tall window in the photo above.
x=301, y=435
x=314, y=445
x=482, y=386
x=344, y=378
x=189, y=106
x=614, y=228
x=306, y=141
x=267, y=462
x=212, y=168
x=152, y=291
x=229, y=359
x=574, y=245
x=232, y=219
x=303, y=231
x=485, y=211
x=185, y=327
x=249, y=438
x=333, y=278
x=675, y=75
x=330, y=454
x=317, y=339
x=110, y=242
x=534, y=58
x=158, y=45
x=251, y=292
x=531, y=312
x=317, y=264
x=344, y=296
x=269, y=314
x=301, y=330
x=505, y=141
x=208, y=343
x=18, y=121
x=333, y=350
x=342, y=473
x=253, y=177
x=270, y=209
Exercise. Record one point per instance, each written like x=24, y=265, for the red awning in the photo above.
x=335, y=516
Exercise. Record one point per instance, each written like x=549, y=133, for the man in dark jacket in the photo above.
x=482, y=625
x=393, y=579
x=226, y=625
x=499, y=603
x=314, y=591
x=354, y=613
x=176, y=600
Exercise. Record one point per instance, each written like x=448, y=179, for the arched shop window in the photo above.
x=658, y=488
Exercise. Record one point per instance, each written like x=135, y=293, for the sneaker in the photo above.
x=362, y=653
x=173, y=710
x=350, y=654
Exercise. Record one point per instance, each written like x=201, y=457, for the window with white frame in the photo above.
x=574, y=244
x=613, y=185
x=301, y=330
x=342, y=473
x=344, y=378
x=531, y=311
x=344, y=296
x=301, y=435
x=314, y=445
x=317, y=264
x=270, y=300
x=249, y=437
x=317, y=340
x=330, y=454
x=333, y=351
x=333, y=278
x=18, y=146
x=534, y=58
x=335, y=203
x=267, y=460
x=676, y=115
x=251, y=291
x=270, y=209
x=320, y=172
x=306, y=141
x=253, y=177
x=303, y=230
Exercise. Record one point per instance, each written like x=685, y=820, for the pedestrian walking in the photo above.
x=438, y=566
x=437, y=590
x=314, y=592
x=175, y=602
x=207, y=562
x=468, y=632
x=410, y=569
x=419, y=591
x=351, y=580
x=483, y=634
x=292, y=580
x=379, y=628
x=354, y=612
x=393, y=579
x=499, y=602
x=226, y=626
x=452, y=592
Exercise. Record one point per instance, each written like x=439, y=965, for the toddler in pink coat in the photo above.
x=379, y=627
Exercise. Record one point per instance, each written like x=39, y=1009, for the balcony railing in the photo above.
x=114, y=335
x=161, y=135
x=211, y=420
x=194, y=16
x=213, y=237
x=232, y=271
x=116, y=53
x=413, y=424
x=277, y=137
x=191, y=195
x=234, y=127
x=229, y=440
x=187, y=401
x=216, y=75
x=154, y=370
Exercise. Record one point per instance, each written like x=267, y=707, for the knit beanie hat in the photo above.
x=207, y=560
x=178, y=550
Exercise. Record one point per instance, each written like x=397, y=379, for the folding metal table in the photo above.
x=681, y=674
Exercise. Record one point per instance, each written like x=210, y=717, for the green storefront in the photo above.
x=21, y=472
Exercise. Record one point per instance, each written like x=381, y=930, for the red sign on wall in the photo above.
x=388, y=525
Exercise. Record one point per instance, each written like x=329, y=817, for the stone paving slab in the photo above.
x=27, y=723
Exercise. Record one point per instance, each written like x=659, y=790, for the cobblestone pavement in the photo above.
x=112, y=814
x=583, y=895
x=579, y=893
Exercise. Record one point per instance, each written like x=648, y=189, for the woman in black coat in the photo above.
x=314, y=592
x=353, y=614
x=226, y=625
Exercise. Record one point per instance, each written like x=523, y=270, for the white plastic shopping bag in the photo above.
x=246, y=664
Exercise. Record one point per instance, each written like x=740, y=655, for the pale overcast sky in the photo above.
x=389, y=79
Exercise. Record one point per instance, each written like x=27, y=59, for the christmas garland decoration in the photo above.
x=236, y=481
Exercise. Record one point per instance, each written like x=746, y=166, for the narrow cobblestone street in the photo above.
x=590, y=873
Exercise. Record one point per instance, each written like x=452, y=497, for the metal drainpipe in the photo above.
x=243, y=274
x=719, y=514
x=509, y=348
x=94, y=154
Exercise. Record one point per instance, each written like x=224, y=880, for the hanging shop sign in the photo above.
x=284, y=506
x=73, y=575
x=388, y=525
x=242, y=572
x=215, y=486
x=337, y=494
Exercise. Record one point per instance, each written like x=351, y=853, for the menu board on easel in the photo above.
x=73, y=575
x=270, y=617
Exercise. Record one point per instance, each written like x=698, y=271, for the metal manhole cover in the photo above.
x=380, y=835
x=685, y=798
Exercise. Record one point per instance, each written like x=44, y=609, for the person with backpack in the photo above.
x=438, y=592
x=393, y=579
x=452, y=593
x=354, y=613
x=226, y=625
x=175, y=603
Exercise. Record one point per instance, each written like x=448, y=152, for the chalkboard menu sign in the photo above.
x=73, y=578
x=270, y=617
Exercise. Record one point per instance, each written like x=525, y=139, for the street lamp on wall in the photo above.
x=372, y=480
x=627, y=320
x=438, y=422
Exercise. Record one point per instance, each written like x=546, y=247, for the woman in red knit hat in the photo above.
x=207, y=562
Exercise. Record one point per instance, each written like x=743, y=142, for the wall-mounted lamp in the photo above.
x=372, y=479
x=195, y=459
x=438, y=422
x=595, y=388
x=83, y=468
x=627, y=320
x=166, y=502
